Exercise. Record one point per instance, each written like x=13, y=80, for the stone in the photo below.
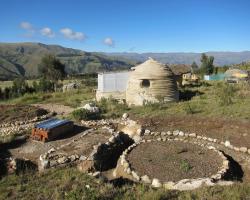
x=125, y=116
x=147, y=132
x=156, y=183
x=248, y=151
x=227, y=144
x=146, y=179
x=181, y=133
x=169, y=133
x=139, y=132
x=192, y=135
x=163, y=133
x=243, y=149
x=137, y=138
x=135, y=175
x=62, y=160
x=176, y=132
x=52, y=163
x=112, y=139
x=96, y=174
x=91, y=108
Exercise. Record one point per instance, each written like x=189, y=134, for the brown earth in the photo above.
x=82, y=145
x=11, y=113
x=57, y=108
x=173, y=161
x=236, y=131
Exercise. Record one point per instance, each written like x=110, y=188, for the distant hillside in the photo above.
x=221, y=58
x=23, y=59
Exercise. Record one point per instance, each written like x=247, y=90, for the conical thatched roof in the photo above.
x=150, y=81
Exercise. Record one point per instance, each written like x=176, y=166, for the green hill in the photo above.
x=23, y=59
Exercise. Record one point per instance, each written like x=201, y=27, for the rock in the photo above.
x=112, y=139
x=192, y=135
x=96, y=174
x=156, y=183
x=62, y=160
x=146, y=179
x=135, y=175
x=181, y=133
x=91, y=108
x=243, y=149
x=137, y=138
x=176, y=132
x=147, y=132
x=52, y=163
x=227, y=144
x=139, y=132
x=52, y=150
x=125, y=116
x=248, y=151
x=163, y=133
x=169, y=133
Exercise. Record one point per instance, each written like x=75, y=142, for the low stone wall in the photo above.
x=185, y=184
x=54, y=158
x=19, y=127
x=104, y=156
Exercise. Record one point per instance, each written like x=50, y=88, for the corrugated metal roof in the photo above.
x=51, y=123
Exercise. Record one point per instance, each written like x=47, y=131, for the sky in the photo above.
x=129, y=25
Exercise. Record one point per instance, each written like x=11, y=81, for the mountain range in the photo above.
x=23, y=59
x=220, y=58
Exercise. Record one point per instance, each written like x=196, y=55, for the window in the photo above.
x=145, y=83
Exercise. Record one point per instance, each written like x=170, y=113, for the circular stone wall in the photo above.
x=173, y=161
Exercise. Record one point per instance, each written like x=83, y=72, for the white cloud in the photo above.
x=109, y=41
x=70, y=34
x=47, y=32
x=26, y=26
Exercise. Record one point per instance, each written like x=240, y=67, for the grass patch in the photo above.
x=68, y=183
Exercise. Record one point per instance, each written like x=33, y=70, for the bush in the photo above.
x=83, y=114
x=226, y=94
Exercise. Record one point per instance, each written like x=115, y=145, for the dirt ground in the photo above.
x=82, y=145
x=173, y=161
x=57, y=108
x=12, y=113
x=236, y=131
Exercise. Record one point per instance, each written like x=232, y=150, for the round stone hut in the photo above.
x=151, y=82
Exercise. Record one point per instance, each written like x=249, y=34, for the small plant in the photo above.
x=185, y=166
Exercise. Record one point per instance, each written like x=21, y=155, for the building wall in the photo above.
x=113, y=82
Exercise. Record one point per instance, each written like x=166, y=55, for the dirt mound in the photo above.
x=11, y=113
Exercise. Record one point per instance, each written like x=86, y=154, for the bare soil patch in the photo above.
x=11, y=113
x=236, y=131
x=57, y=108
x=82, y=146
x=173, y=161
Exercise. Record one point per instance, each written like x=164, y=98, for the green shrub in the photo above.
x=83, y=114
x=226, y=94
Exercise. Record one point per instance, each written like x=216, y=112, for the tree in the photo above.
x=207, y=65
x=194, y=66
x=51, y=69
x=19, y=87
